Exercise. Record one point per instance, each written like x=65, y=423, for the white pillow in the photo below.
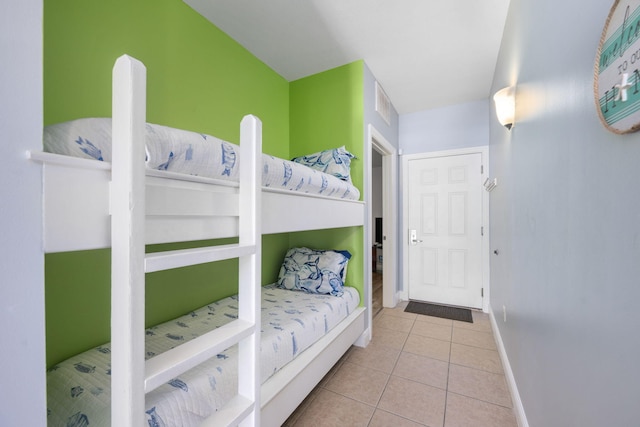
x=336, y=162
x=314, y=271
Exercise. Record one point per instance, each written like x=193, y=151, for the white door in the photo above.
x=445, y=230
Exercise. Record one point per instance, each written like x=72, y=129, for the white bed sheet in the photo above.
x=191, y=153
x=78, y=389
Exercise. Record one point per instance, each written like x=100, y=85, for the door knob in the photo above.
x=413, y=237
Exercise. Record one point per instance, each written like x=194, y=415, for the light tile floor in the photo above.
x=417, y=371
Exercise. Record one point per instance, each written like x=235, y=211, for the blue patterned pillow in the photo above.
x=314, y=271
x=336, y=162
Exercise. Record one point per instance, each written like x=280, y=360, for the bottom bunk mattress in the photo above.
x=78, y=389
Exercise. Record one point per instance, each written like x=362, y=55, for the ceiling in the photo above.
x=424, y=53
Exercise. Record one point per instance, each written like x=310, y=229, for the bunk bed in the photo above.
x=124, y=205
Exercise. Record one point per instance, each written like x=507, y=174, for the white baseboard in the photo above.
x=518, y=408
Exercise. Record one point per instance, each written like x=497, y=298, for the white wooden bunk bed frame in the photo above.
x=89, y=205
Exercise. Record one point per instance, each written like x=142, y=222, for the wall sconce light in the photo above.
x=505, y=100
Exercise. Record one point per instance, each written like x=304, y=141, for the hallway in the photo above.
x=376, y=294
x=417, y=371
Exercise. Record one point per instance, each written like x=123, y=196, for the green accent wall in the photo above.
x=198, y=79
x=327, y=111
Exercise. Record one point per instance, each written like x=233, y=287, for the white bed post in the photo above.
x=250, y=265
x=128, y=243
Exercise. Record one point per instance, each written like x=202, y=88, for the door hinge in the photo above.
x=481, y=169
x=482, y=231
x=482, y=292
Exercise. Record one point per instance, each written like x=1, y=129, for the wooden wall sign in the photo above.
x=617, y=69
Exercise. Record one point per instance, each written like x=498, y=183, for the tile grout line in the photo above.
x=376, y=407
x=480, y=400
x=446, y=391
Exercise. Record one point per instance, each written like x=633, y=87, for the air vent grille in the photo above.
x=383, y=105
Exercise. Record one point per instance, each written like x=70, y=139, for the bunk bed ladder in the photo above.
x=132, y=377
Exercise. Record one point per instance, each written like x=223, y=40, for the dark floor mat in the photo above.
x=453, y=313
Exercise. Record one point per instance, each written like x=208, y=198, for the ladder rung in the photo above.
x=172, y=363
x=230, y=414
x=167, y=260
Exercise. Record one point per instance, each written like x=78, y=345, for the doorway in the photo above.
x=377, y=216
x=446, y=209
x=382, y=248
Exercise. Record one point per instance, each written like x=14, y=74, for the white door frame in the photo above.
x=484, y=151
x=389, y=215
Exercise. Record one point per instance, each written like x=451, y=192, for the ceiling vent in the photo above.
x=383, y=105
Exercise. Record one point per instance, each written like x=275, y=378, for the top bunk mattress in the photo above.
x=185, y=152
x=78, y=389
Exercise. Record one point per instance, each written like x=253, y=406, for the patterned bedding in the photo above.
x=78, y=389
x=191, y=153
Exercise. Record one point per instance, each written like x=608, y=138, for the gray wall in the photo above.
x=391, y=134
x=446, y=128
x=22, y=356
x=566, y=219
